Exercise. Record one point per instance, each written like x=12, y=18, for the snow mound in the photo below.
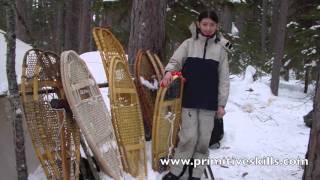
x=21, y=48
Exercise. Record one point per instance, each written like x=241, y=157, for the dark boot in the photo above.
x=193, y=178
x=190, y=171
x=190, y=168
x=183, y=170
x=170, y=176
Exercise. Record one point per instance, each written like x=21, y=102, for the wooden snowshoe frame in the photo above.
x=108, y=46
x=147, y=67
x=127, y=118
x=157, y=61
x=166, y=121
x=55, y=135
x=91, y=113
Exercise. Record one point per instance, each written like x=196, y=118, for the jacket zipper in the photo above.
x=205, y=49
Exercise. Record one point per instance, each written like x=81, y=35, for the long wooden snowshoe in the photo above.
x=166, y=122
x=127, y=118
x=54, y=134
x=91, y=112
x=148, y=74
x=108, y=45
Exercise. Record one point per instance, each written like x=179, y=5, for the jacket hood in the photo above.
x=193, y=29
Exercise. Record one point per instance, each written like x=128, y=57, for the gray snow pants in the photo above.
x=194, y=137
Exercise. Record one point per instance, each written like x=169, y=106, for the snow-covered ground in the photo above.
x=21, y=48
x=257, y=125
x=260, y=125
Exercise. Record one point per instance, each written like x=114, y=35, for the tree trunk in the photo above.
x=43, y=34
x=226, y=18
x=312, y=170
x=274, y=24
x=59, y=24
x=264, y=25
x=240, y=21
x=306, y=79
x=85, y=26
x=71, y=40
x=147, y=28
x=92, y=45
x=286, y=74
x=108, y=18
x=279, y=51
x=14, y=97
x=21, y=20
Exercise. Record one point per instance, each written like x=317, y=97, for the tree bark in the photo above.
x=21, y=20
x=108, y=18
x=59, y=24
x=306, y=79
x=264, y=25
x=14, y=97
x=286, y=74
x=240, y=21
x=279, y=51
x=147, y=27
x=274, y=24
x=71, y=40
x=226, y=18
x=312, y=170
x=85, y=26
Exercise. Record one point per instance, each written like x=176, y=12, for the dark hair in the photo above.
x=208, y=14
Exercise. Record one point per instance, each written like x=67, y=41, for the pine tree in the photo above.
x=312, y=170
x=147, y=27
x=14, y=97
x=279, y=46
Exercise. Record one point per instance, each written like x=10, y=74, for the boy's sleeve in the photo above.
x=176, y=61
x=224, y=81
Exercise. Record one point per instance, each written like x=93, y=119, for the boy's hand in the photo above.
x=166, y=79
x=220, y=112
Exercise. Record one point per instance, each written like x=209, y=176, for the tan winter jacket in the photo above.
x=204, y=63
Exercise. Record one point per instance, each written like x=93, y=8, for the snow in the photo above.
x=250, y=71
x=110, y=145
x=94, y=63
x=194, y=11
x=38, y=174
x=287, y=63
x=312, y=64
x=234, y=30
x=315, y=27
x=273, y=127
x=21, y=49
x=18, y=111
x=309, y=51
x=150, y=85
x=292, y=23
x=258, y=125
x=237, y=1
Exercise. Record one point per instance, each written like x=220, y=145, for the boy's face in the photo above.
x=207, y=26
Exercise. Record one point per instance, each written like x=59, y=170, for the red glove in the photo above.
x=175, y=73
